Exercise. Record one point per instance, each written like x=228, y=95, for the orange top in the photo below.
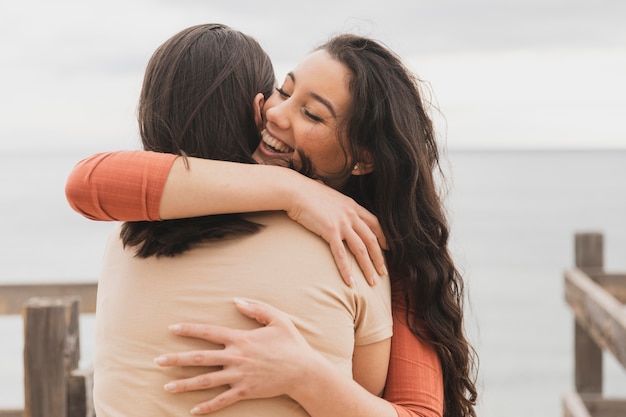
x=414, y=380
x=128, y=185
x=125, y=186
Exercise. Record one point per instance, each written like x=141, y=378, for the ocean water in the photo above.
x=513, y=215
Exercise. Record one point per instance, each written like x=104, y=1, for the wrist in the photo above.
x=289, y=185
x=315, y=377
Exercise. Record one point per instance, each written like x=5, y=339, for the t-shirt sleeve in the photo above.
x=373, y=317
x=415, y=379
x=123, y=185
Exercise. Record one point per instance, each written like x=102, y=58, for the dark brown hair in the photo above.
x=197, y=100
x=388, y=118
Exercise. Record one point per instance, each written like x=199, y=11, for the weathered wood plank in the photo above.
x=588, y=370
x=573, y=406
x=599, y=406
x=45, y=328
x=48, y=355
x=598, y=312
x=13, y=297
x=80, y=388
x=589, y=251
x=615, y=284
x=588, y=359
x=592, y=405
x=72, y=338
x=11, y=413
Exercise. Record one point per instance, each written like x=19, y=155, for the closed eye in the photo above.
x=282, y=92
x=312, y=116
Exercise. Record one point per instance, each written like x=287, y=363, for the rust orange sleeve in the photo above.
x=415, y=379
x=123, y=185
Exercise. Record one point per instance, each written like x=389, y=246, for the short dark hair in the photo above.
x=197, y=100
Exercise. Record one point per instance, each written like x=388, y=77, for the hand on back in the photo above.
x=260, y=363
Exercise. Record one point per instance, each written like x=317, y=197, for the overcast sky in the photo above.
x=504, y=73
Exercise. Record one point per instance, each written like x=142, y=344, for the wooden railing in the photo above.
x=54, y=386
x=597, y=299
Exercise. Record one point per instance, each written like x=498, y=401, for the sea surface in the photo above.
x=513, y=216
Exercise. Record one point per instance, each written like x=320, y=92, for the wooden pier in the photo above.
x=54, y=386
x=597, y=300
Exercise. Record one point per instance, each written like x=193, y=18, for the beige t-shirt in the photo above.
x=283, y=265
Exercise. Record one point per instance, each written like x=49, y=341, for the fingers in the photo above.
x=372, y=222
x=371, y=247
x=199, y=382
x=365, y=247
x=262, y=313
x=368, y=243
x=215, y=334
x=338, y=250
x=224, y=399
x=359, y=250
x=192, y=358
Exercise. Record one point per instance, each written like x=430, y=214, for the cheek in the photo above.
x=326, y=153
x=332, y=146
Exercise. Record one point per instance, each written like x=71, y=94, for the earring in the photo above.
x=356, y=167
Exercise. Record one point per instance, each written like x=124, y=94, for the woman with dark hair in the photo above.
x=210, y=78
x=368, y=130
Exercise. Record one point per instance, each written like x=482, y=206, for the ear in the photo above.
x=364, y=165
x=257, y=107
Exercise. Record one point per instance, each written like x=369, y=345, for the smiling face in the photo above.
x=306, y=114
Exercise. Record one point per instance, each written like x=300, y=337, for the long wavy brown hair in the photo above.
x=388, y=117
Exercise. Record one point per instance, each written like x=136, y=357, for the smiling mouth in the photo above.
x=274, y=144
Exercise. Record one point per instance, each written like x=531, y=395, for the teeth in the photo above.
x=274, y=144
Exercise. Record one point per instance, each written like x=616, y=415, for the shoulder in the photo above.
x=285, y=232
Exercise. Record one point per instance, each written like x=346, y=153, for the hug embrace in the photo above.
x=291, y=235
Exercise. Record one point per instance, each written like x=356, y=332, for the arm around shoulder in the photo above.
x=144, y=185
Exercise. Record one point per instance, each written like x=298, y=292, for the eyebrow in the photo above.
x=317, y=97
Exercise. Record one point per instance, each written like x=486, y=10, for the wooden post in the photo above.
x=588, y=362
x=589, y=250
x=50, y=341
x=80, y=387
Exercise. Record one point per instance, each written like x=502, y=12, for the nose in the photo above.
x=277, y=112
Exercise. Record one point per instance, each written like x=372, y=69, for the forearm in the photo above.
x=324, y=391
x=207, y=187
x=141, y=185
x=414, y=386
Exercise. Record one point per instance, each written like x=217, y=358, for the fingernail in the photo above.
x=241, y=302
x=170, y=386
x=175, y=327
x=195, y=410
x=384, y=270
x=160, y=360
